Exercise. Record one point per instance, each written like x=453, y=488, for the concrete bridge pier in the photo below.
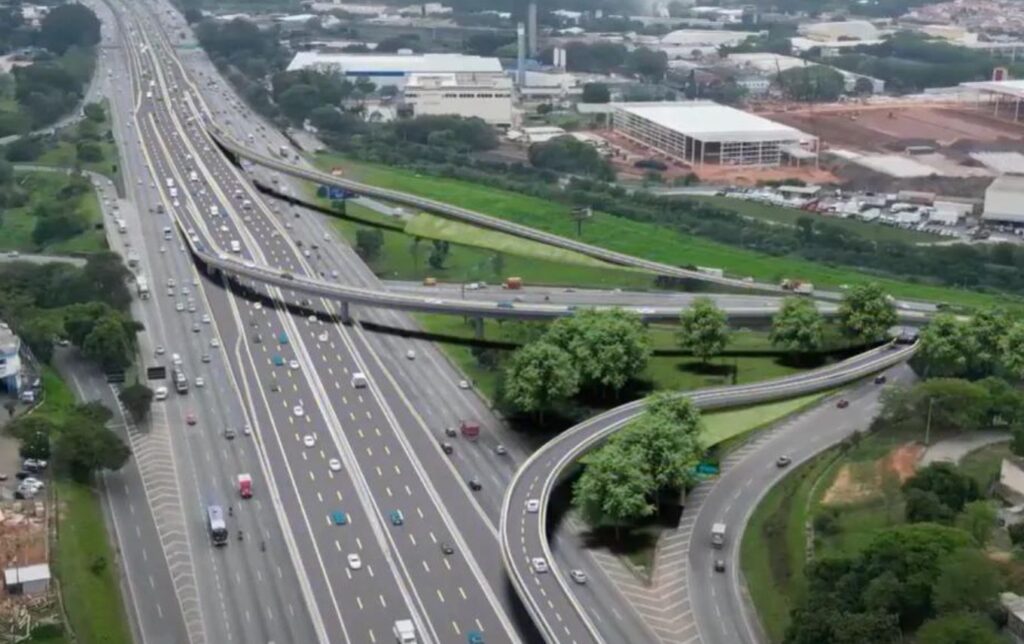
x=344, y=314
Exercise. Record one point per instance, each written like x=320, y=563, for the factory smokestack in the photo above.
x=521, y=58
x=531, y=29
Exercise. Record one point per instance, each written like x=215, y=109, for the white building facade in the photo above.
x=484, y=95
x=393, y=69
x=10, y=360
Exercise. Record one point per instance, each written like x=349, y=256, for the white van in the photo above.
x=214, y=211
x=235, y=246
x=122, y=227
x=193, y=176
x=359, y=380
x=160, y=393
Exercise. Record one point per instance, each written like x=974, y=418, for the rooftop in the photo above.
x=713, y=122
x=9, y=342
x=26, y=574
x=1008, y=87
x=396, y=63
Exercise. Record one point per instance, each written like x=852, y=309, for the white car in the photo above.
x=539, y=564
x=214, y=342
x=200, y=382
x=578, y=576
x=410, y=354
x=160, y=393
x=293, y=364
x=160, y=349
x=179, y=307
x=258, y=306
x=176, y=359
x=309, y=440
x=463, y=384
x=354, y=562
x=298, y=411
x=312, y=319
x=206, y=318
x=532, y=506
x=334, y=464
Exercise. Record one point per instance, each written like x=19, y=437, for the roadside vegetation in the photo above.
x=85, y=145
x=901, y=550
x=49, y=213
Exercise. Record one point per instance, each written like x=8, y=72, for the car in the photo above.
x=312, y=319
x=532, y=506
x=214, y=342
x=293, y=364
x=247, y=429
x=447, y=548
x=229, y=433
x=160, y=393
x=463, y=384
x=397, y=518
x=334, y=464
x=843, y=403
x=171, y=283
x=190, y=418
x=322, y=337
x=410, y=354
x=782, y=461
x=179, y=307
x=578, y=576
x=500, y=450
x=195, y=327
x=450, y=432
x=277, y=360
x=191, y=307
x=257, y=338
x=34, y=464
x=205, y=358
x=206, y=318
x=160, y=350
x=354, y=562
x=539, y=564
x=719, y=565
x=200, y=382
x=282, y=338
x=298, y=411
x=474, y=484
x=257, y=306
x=880, y=380
x=22, y=475
x=176, y=359
x=309, y=440
x=338, y=517
x=446, y=447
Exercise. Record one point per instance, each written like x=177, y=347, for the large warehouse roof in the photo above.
x=1007, y=87
x=707, y=121
x=395, y=64
x=1004, y=199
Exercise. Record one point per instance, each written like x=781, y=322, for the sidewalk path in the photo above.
x=951, y=450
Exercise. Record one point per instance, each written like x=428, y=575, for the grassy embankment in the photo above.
x=635, y=238
x=16, y=224
x=63, y=152
x=83, y=559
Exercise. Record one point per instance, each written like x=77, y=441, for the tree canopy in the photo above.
x=566, y=154
x=540, y=375
x=866, y=313
x=798, y=326
x=703, y=329
x=69, y=25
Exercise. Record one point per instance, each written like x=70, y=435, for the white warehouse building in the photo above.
x=393, y=69
x=699, y=132
x=1004, y=199
x=485, y=95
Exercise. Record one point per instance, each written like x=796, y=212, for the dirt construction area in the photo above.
x=891, y=128
x=861, y=482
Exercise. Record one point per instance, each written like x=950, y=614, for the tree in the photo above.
x=596, y=93
x=1016, y=532
x=968, y=580
x=1013, y=351
x=669, y=452
x=647, y=63
x=866, y=313
x=798, y=326
x=107, y=344
x=613, y=488
x=703, y=329
x=985, y=333
x=538, y=376
x=82, y=448
x=924, y=506
x=25, y=427
x=566, y=154
x=25, y=149
x=87, y=152
x=812, y=83
x=438, y=254
x=137, y=399
x=608, y=347
x=369, y=242
x=94, y=112
x=69, y=25
x=950, y=404
x=952, y=488
x=298, y=101
x=863, y=86
x=1017, y=443
x=36, y=446
x=978, y=519
x=959, y=628
x=944, y=350
x=193, y=15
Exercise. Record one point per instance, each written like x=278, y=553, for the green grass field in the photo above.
x=789, y=216
x=983, y=464
x=640, y=239
x=16, y=224
x=772, y=548
x=402, y=258
x=721, y=426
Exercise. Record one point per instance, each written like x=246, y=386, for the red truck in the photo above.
x=244, y=486
x=470, y=429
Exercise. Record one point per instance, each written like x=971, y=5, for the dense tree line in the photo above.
x=991, y=343
x=55, y=82
x=566, y=154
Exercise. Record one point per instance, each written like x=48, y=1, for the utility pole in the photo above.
x=928, y=423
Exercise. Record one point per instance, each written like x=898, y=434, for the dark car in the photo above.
x=446, y=447
x=447, y=548
x=474, y=484
x=450, y=432
x=719, y=565
x=880, y=380
x=782, y=461
x=843, y=403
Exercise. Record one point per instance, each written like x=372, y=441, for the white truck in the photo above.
x=405, y=631
x=718, y=535
x=142, y=286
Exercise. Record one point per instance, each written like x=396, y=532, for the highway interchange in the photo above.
x=299, y=586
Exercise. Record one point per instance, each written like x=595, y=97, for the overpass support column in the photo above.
x=478, y=328
x=346, y=317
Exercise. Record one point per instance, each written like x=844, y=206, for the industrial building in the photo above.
x=1004, y=200
x=10, y=360
x=393, y=69
x=27, y=580
x=702, y=132
x=1004, y=96
x=487, y=96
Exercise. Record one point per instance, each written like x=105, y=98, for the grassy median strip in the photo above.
x=649, y=241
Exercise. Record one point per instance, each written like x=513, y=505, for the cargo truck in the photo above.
x=245, y=486
x=470, y=429
x=514, y=283
x=718, y=535
x=797, y=286
x=142, y=287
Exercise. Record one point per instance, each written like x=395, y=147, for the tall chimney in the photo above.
x=531, y=29
x=521, y=59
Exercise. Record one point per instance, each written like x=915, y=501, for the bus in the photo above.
x=218, y=528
